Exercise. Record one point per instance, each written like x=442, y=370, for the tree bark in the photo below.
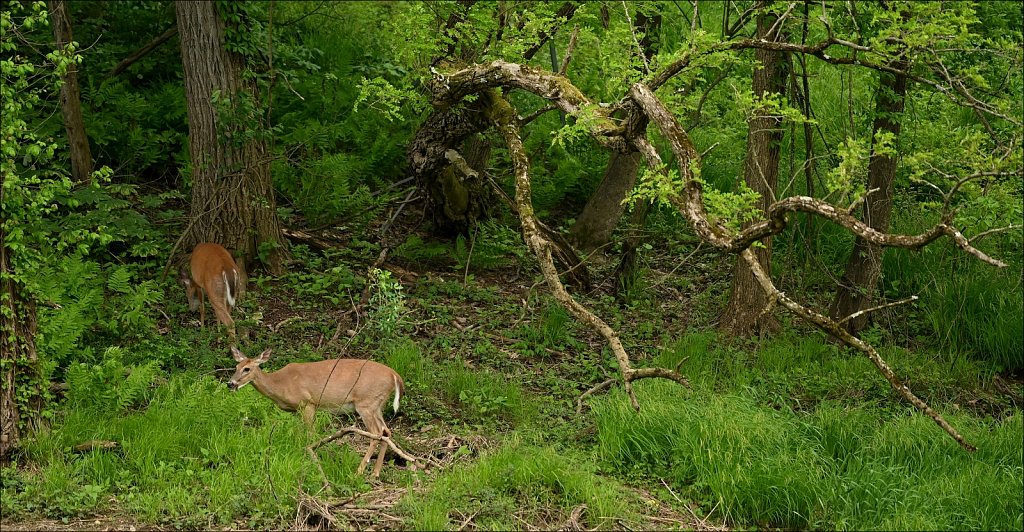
x=70, y=101
x=743, y=315
x=21, y=390
x=864, y=267
x=232, y=198
x=594, y=226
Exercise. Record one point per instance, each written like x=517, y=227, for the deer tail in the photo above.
x=398, y=394
x=230, y=286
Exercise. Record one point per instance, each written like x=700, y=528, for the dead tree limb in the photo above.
x=504, y=120
x=143, y=52
x=642, y=105
x=831, y=327
x=694, y=211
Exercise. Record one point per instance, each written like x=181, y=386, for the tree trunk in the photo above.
x=70, y=102
x=456, y=201
x=21, y=392
x=743, y=315
x=232, y=198
x=594, y=226
x=864, y=267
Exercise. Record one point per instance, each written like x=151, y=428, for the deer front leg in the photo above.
x=308, y=411
x=200, y=294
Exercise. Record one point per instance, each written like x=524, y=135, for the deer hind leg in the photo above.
x=374, y=425
x=200, y=295
x=308, y=411
x=224, y=315
x=380, y=454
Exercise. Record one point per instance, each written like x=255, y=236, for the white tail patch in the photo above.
x=398, y=393
x=229, y=287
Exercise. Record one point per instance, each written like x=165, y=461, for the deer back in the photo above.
x=337, y=384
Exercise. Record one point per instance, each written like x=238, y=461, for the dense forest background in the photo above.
x=669, y=264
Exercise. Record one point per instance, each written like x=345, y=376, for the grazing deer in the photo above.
x=215, y=273
x=339, y=385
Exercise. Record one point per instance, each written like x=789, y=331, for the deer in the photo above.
x=214, y=273
x=337, y=385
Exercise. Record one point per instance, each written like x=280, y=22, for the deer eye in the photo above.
x=246, y=370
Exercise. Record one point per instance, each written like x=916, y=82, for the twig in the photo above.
x=996, y=230
x=353, y=430
x=398, y=211
x=569, y=50
x=879, y=307
x=594, y=389
x=632, y=31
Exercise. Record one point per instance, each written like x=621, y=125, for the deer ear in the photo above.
x=238, y=355
x=264, y=356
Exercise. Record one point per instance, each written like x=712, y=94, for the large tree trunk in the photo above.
x=21, y=392
x=864, y=267
x=232, y=199
x=744, y=314
x=70, y=102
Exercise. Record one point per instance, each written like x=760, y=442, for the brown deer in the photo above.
x=214, y=273
x=339, y=385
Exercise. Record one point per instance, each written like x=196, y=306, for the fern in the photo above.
x=120, y=280
x=110, y=386
x=415, y=249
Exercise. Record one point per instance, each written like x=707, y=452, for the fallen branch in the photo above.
x=143, y=52
x=831, y=327
x=504, y=121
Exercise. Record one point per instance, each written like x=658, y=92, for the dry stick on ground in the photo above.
x=311, y=448
x=503, y=117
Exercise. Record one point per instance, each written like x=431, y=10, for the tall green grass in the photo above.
x=197, y=456
x=479, y=395
x=832, y=467
x=521, y=481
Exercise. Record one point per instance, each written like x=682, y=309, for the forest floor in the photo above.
x=790, y=432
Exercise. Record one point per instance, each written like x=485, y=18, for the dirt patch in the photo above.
x=95, y=523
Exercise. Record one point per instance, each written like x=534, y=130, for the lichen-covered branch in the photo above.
x=642, y=106
x=691, y=203
x=831, y=327
x=450, y=88
x=504, y=121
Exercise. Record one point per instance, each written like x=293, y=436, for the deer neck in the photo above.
x=268, y=385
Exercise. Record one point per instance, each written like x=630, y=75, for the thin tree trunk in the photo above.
x=743, y=315
x=70, y=101
x=594, y=226
x=21, y=390
x=864, y=267
x=232, y=198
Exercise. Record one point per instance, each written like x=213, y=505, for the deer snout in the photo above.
x=233, y=385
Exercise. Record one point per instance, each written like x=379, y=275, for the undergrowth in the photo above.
x=832, y=467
